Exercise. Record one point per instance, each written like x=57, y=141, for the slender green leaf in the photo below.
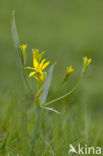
x=51, y=109
x=16, y=42
x=15, y=38
x=20, y=67
x=47, y=83
x=14, y=31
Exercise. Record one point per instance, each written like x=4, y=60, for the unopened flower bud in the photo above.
x=69, y=70
x=23, y=53
x=86, y=62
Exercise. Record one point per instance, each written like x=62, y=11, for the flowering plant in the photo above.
x=43, y=78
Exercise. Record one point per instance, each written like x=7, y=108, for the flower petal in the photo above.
x=85, y=59
x=35, y=53
x=69, y=70
x=45, y=65
x=41, y=64
x=35, y=62
x=40, y=56
x=31, y=74
x=29, y=68
x=89, y=60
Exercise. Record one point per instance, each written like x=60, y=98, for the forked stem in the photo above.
x=64, y=96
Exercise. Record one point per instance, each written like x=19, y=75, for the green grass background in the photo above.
x=67, y=30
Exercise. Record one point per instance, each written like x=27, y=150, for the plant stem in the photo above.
x=26, y=81
x=64, y=96
x=36, y=132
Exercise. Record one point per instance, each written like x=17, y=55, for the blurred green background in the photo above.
x=67, y=30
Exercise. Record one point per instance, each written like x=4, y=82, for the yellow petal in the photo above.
x=35, y=63
x=85, y=59
x=35, y=57
x=35, y=54
x=89, y=60
x=31, y=74
x=29, y=68
x=40, y=56
x=45, y=65
x=41, y=64
x=70, y=69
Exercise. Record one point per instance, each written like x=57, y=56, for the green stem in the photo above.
x=64, y=96
x=27, y=82
x=36, y=132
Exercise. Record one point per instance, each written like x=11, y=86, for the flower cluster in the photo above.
x=39, y=64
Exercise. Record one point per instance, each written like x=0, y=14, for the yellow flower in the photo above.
x=36, y=54
x=69, y=70
x=86, y=62
x=38, y=66
x=23, y=53
x=23, y=47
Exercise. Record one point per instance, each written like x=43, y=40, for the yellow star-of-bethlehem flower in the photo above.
x=38, y=66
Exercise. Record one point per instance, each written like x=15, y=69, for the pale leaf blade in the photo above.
x=15, y=38
x=47, y=83
x=51, y=109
